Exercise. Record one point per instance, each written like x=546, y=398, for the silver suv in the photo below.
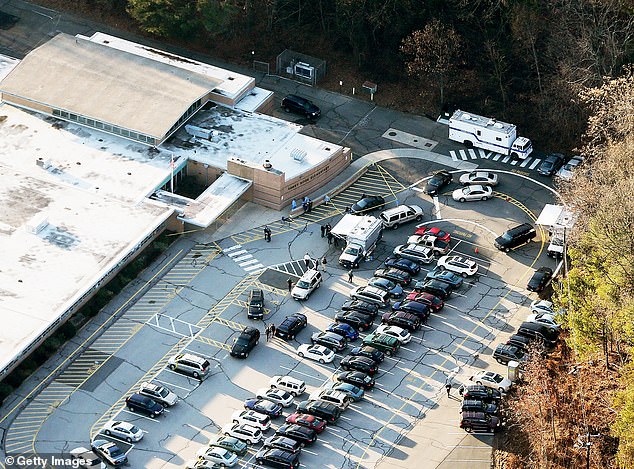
x=371, y=295
x=308, y=283
x=190, y=364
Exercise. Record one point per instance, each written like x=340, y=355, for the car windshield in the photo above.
x=303, y=284
x=363, y=203
x=134, y=429
x=162, y=392
x=352, y=250
x=242, y=341
x=115, y=451
x=497, y=378
x=507, y=237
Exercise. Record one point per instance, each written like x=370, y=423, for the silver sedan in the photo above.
x=482, y=178
x=469, y=193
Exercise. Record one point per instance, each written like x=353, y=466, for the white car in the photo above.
x=278, y=396
x=470, y=193
x=221, y=456
x=87, y=458
x=542, y=306
x=160, y=394
x=123, y=430
x=319, y=353
x=483, y=178
x=544, y=318
x=244, y=432
x=415, y=252
x=459, y=265
x=394, y=331
x=288, y=383
x=567, y=171
x=338, y=398
x=251, y=417
x=492, y=380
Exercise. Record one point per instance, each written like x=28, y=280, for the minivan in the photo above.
x=515, y=237
x=393, y=217
x=479, y=421
x=190, y=364
x=143, y=404
x=537, y=331
x=308, y=283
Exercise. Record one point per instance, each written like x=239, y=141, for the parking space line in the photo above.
x=437, y=207
x=172, y=385
x=298, y=372
x=139, y=416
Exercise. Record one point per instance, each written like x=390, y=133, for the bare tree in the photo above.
x=433, y=51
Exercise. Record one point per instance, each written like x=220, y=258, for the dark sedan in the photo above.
x=437, y=182
x=356, y=319
x=358, y=363
x=395, y=275
x=361, y=306
x=405, y=265
x=369, y=352
x=264, y=406
x=445, y=276
x=367, y=204
x=245, y=342
x=440, y=289
x=413, y=307
x=297, y=432
x=356, y=378
x=551, y=164
x=403, y=319
x=539, y=279
x=435, y=303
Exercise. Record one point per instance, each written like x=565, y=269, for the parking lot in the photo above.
x=203, y=307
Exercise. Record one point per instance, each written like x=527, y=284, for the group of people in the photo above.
x=307, y=204
x=315, y=263
x=269, y=331
x=326, y=232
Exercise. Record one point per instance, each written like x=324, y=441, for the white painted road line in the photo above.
x=484, y=154
x=524, y=163
x=453, y=155
x=245, y=263
x=463, y=154
x=237, y=253
x=535, y=163
x=472, y=153
x=237, y=246
x=254, y=267
x=514, y=162
x=242, y=258
x=497, y=156
x=437, y=207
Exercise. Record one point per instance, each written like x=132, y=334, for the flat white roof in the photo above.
x=85, y=230
x=230, y=84
x=6, y=65
x=251, y=137
x=484, y=122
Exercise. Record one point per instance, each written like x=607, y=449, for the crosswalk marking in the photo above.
x=453, y=155
x=506, y=159
x=514, y=162
x=497, y=156
x=484, y=154
x=242, y=258
x=237, y=246
x=252, y=268
x=463, y=154
x=524, y=163
x=473, y=154
x=233, y=254
x=249, y=262
x=535, y=163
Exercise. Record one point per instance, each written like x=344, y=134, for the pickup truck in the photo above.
x=439, y=248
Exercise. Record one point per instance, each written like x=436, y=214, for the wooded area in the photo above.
x=557, y=68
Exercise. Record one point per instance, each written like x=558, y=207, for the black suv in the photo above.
x=361, y=306
x=356, y=319
x=304, y=435
x=256, y=304
x=370, y=352
x=539, y=332
x=330, y=339
x=479, y=421
x=299, y=105
x=551, y=164
x=515, y=237
x=519, y=341
x=358, y=363
x=321, y=409
x=245, y=342
x=291, y=326
x=275, y=457
x=480, y=392
x=476, y=405
x=504, y=353
x=436, y=287
x=403, y=319
x=143, y=404
x=367, y=204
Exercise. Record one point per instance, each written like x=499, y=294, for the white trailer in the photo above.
x=489, y=134
x=361, y=233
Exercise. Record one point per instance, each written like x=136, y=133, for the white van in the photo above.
x=393, y=217
x=289, y=384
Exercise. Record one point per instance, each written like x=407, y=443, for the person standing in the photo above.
x=448, y=388
x=307, y=260
x=350, y=275
x=290, y=284
x=267, y=234
x=323, y=230
x=273, y=328
x=329, y=236
x=267, y=331
x=323, y=263
x=326, y=199
x=293, y=204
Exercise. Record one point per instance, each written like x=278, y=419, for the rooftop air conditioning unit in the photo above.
x=298, y=155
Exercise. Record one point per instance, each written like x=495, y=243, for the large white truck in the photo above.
x=489, y=134
x=557, y=220
x=361, y=234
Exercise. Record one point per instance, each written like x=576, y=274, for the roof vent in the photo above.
x=298, y=154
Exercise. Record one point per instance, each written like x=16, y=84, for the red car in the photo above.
x=434, y=231
x=433, y=301
x=308, y=421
